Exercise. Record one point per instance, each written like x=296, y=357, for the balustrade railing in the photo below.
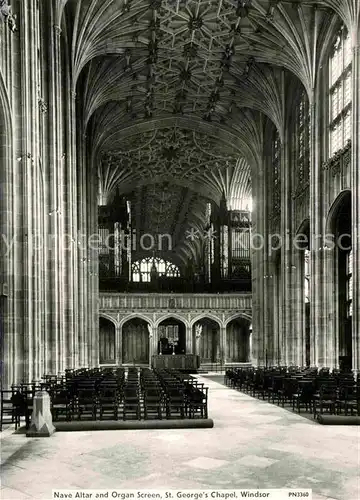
x=119, y=301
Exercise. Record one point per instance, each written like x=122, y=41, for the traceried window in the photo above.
x=349, y=283
x=143, y=269
x=303, y=138
x=276, y=153
x=340, y=87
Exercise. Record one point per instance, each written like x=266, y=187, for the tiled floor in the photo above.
x=252, y=445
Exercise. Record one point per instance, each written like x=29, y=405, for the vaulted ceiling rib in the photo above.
x=173, y=93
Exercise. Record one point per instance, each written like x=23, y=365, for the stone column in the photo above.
x=189, y=340
x=155, y=340
x=222, y=345
x=217, y=347
x=30, y=199
x=151, y=344
x=92, y=280
x=198, y=333
x=288, y=346
x=9, y=172
x=267, y=313
x=250, y=360
x=82, y=261
x=69, y=160
x=118, y=344
x=332, y=312
x=355, y=186
x=258, y=261
x=299, y=308
x=57, y=348
x=317, y=336
x=273, y=305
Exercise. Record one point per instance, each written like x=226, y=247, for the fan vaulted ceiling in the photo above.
x=175, y=172
x=174, y=91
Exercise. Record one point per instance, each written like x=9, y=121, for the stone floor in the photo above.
x=253, y=445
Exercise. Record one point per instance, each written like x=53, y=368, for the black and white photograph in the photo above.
x=180, y=249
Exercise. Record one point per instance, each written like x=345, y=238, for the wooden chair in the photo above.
x=61, y=404
x=7, y=407
x=305, y=397
x=326, y=400
x=175, y=402
x=196, y=401
x=153, y=402
x=131, y=402
x=108, y=400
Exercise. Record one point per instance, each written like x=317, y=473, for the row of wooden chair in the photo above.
x=110, y=394
x=185, y=395
x=309, y=390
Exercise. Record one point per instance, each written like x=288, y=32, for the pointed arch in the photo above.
x=109, y=318
x=174, y=316
x=135, y=337
x=304, y=227
x=304, y=230
x=245, y=316
x=207, y=316
x=136, y=315
x=334, y=210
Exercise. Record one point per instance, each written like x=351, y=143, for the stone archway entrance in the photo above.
x=172, y=337
x=135, y=342
x=342, y=267
x=207, y=342
x=238, y=341
x=107, y=343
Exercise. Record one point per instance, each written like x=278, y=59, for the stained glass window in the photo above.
x=340, y=88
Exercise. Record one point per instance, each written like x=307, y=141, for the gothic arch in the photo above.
x=109, y=318
x=134, y=316
x=240, y=316
x=207, y=316
x=135, y=339
x=172, y=315
x=334, y=210
x=238, y=335
x=304, y=227
x=304, y=230
x=338, y=226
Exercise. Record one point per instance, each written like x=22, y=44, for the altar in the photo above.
x=188, y=362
